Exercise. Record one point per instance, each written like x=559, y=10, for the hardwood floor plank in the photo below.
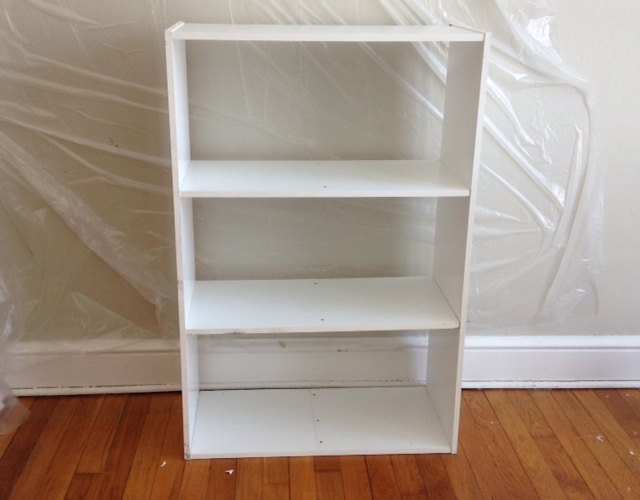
x=613, y=414
x=355, y=479
x=618, y=405
x=509, y=478
x=329, y=463
x=570, y=480
x=23, y=442
x=84, y=486
x=328, y=477
x=601, y=438
x=475, y=447
x=222, y=479
x=463, y=480
x=146, y=461
x=5, y=439
x=382, y=477
x=302, y=478
x=168, y=477
x=275, y=478
x=249, y=479
x=407, y=473
x=589, y=468
x=195, y=480
x=275, y=491
x=536, y=467
x=329, y=485
x=435, y=477
x=632, y=397
x=34, y=473
x=94, y=457
x=124, y=444
x=62, y=467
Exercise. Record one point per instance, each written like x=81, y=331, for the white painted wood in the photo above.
x=377, y=420
x=291, y=422
x=189, y=361
x=444, y=370
x=461, y=137
x=464, y=107
x=323, y=33
x=312, y=179
x=552, y=361
x=91, y=366
x=323, y=305
x=183, y=218
x=451, y=252
x=185, y=250
x=108, y=366
x=177, y=91
x=256, y=423
x=462, y=131
x=489, y=361
x=330, y=360
x=467, y=68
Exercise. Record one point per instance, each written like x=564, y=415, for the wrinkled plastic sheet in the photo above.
x=86, y=232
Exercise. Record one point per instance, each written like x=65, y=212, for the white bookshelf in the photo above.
x=329, y=421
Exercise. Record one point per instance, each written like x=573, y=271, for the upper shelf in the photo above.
x=322, y=33
x=320, y=179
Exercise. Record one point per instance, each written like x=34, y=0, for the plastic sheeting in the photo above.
x=86, y=233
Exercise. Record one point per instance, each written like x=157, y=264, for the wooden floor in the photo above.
x=514, y=445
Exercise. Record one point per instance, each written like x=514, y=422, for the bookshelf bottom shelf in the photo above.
x=294, y=422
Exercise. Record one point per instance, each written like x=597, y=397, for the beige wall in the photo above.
x=86, y=214
x=600, y=41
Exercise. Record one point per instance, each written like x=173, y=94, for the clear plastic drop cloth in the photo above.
x=86, y=228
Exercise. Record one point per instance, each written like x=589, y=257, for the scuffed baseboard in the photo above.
x=552, y=361
x=110, y=366
x=92, y=366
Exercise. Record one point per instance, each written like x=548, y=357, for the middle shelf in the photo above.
x=328, y=179
x=320, y=305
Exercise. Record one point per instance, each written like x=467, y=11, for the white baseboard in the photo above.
x=552, y=361
x=104, y=366
x=93, y=366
